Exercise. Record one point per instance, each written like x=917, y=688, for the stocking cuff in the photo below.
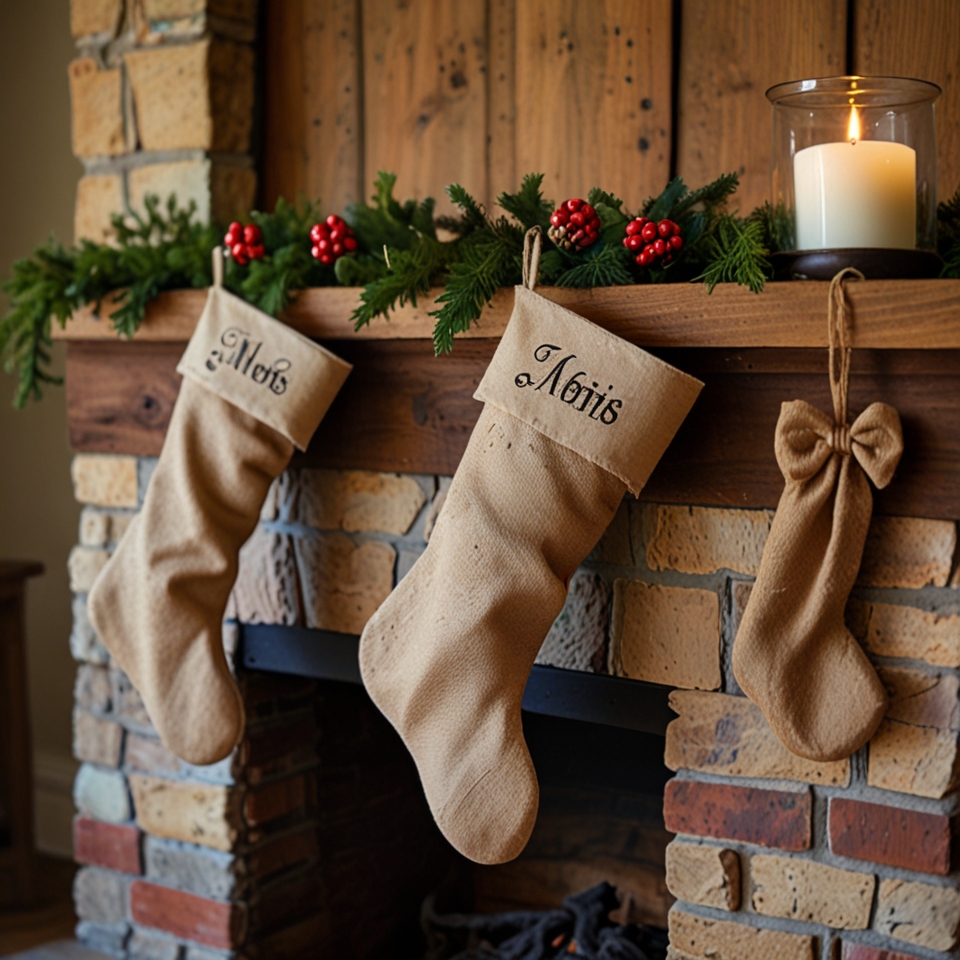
x=262, y=366
x=587, y=389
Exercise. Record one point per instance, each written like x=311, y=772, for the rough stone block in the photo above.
x=923, y=699
x=181, y=9
x=193, y=96
x=188, y=180
x=275, y=800
x=95, y=16
x=918, y=913
x=127, y=703
x=119, y=522
x=102, y=794
x=356, y=500
x=812, y=892
x=917, y=760
x=405, y=561
x=891, y=630
x=740, y=591
x=436, y=506
x=708, y=539
x=97, y=741
x=97, y=109
x=98, y=198
x=84, y=566
x=112, y=845
x=144, y=945
x=266, y=590
x=909, y=839
x=725, y=940
x=727, y=735
x=181, y=810
x=100, y=896
x=668, y=635
x=233, y=188
x=150, y=756
x=220, y=925
x=92, y=688
x=343, y=584
x=908, y=552
x=769, y=818
x=199, y=870
x=705, y=875
x=578, y=638
x=104, y=480
x=85, y=646
x=108, y=938
x=94, y=527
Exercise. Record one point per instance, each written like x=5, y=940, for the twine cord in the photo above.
x=531, y=257
x=840, y=352
x=217, y=266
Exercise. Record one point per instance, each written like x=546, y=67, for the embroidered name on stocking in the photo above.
x=239, y=352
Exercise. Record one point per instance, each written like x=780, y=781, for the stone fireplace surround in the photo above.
x=270, y=853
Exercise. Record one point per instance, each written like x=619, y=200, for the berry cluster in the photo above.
x=331, y=239
x=652, y=241
x=245, y=243
x=574, y=225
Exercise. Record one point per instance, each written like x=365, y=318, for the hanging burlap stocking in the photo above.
x=573, y=417
x=793, y=656
x=253, y=389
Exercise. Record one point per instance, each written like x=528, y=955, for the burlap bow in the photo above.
x=806, y=438
x=793, y=655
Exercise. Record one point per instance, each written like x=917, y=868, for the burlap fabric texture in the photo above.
x=573, y=418
x=793, y=655
x=253, y=389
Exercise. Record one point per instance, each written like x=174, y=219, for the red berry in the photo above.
x=659, y=246
x=664, y=228
x=327, y=259
x=255, y=251
x=323, y=244
x=252, y=234
x=239, y=253
x=350, y=243
x=649, y=231
x=577, y=219
x=634, y=226
x=668, y=257
x=676, y=242
x=559, y=217
x=333, y=221
x=595, y=223
x=587, y=212
x=574, y=225
x=315, y=252
x=336, y=234
x=318, y=232
x=634, y=242
x=647, y=257
x=573, y=204
x=337, y=249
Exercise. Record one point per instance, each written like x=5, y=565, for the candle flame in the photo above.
x=853, y=128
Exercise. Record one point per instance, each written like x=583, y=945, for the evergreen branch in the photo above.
x=737, y=255
x=484, y=266
x=609, y=268
x=777, y=226
x=474, y=216
x=527, y=205
x=711, y=195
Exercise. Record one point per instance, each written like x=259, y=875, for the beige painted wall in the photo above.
x=38, y=517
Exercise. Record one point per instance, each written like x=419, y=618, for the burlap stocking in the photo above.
x=253, y=389
x=574, y=417
x=793, y=655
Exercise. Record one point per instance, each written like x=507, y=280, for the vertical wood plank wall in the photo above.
x=615, y=93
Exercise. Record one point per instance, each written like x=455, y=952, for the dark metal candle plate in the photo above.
x=873, y=262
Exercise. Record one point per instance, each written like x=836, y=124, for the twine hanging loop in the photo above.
x=532, y=243
x=840, y=352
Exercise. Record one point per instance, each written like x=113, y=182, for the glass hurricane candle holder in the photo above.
x=855, y=176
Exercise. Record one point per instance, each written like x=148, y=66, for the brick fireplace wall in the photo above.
x=774, y=856
x=162, y=93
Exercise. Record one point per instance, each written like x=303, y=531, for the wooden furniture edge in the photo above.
x=887, y=314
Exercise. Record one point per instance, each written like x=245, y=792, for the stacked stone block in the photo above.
x=162, y=99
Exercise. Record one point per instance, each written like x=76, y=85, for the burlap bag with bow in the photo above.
x=793, y=655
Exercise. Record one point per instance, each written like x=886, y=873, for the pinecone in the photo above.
x=574, y=225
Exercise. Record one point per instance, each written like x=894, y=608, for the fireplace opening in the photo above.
x=600, y=819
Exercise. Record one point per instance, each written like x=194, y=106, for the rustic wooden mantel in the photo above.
x=402, y=409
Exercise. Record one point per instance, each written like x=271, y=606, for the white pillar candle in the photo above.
x=858, y=193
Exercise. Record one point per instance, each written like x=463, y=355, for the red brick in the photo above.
x=857, y=951
x=275, y=800
x=267, y=745
x=770, y=818
x=282, y=852
x=212, y=923
x=899, y=838
x=112, y=845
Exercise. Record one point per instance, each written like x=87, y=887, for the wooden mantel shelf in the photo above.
x=888, y=314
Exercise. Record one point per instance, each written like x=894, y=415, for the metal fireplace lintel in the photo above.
x=595, y=698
